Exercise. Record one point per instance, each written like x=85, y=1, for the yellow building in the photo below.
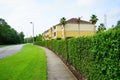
x=72, y=28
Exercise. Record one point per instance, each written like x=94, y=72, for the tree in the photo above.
x=5, y=30
x=63, y=22
x=94, y=19
x=118, y=24
x=38, y=38
x=8, y=35
x=21, y=37
x=112, y=26
x=28, y=40
x=79, y=26
x=101, y=27
x=3, y=23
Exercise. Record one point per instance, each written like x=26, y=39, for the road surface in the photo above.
x=9, y=50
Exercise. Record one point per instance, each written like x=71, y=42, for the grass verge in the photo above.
x=7, y=45
x=28, y=64
x=3, y=46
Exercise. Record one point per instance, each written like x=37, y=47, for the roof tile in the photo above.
x=75, y=20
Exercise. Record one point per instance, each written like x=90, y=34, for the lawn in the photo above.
x=28, y=64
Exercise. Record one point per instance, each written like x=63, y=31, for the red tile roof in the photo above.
x=75, y=20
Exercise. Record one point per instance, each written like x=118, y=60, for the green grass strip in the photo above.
x=28, y=64
x=3, y=46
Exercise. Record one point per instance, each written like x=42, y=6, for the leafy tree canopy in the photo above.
x=39, y=37
x=118, y=24
x=94, y=19
x=21, y=37
x=8, y=35
x=63, y=20
x=3, y=23
x=101, y=27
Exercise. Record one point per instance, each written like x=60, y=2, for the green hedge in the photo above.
x=96, y=57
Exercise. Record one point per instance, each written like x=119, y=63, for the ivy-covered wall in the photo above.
x=96, y=57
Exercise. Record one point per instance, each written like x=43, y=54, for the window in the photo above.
x=54, y=27
x=54, y=33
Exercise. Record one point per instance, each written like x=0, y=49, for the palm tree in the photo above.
x=94, y=19
x=101, y=27
x=63, y=22
x=78, y=26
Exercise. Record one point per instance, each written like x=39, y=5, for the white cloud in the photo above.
x=22, y=13
x=44, y=14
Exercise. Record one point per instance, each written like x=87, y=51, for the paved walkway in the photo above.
x=56, y=68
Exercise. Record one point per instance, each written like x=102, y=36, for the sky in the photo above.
x=47, y=13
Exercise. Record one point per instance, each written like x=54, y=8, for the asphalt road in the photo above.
x=9, y=50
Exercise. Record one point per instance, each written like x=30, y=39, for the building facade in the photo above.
x=72, y=28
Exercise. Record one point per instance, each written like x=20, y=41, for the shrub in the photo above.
x=96, y=57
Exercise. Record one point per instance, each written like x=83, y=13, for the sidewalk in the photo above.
x=56, y=68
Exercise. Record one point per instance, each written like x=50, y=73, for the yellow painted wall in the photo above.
x=50, y=33
x=71, y=34
x=83, y=27
x=59, y=34
x=45, y=35
x=87, y=33
x=71, y=30
x=58, y=27
x=76, y=34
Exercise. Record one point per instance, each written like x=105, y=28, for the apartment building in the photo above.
x=72, y=28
